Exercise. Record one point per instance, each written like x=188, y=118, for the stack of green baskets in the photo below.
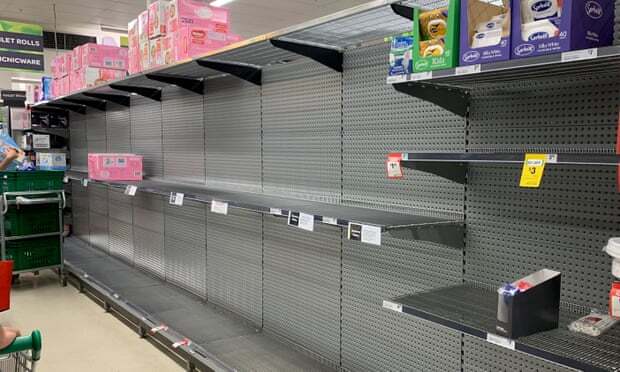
x=35, y=219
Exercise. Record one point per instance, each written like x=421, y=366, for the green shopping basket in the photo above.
x=22, y=354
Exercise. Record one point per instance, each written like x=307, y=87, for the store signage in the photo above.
x=15, y=41
x=13, y=98
x=21, y=61
x=21, y=46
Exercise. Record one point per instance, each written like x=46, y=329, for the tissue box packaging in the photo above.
x=547, y=26
x=485, y=32
x=115, y=167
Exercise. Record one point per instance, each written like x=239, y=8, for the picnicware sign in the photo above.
x=21, y=46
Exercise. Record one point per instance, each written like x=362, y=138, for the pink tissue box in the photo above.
x=104, y=56
x=115, y=167
x=194, y=13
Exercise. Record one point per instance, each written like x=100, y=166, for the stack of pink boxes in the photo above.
x=87, y=66
x=61, y=68
x=95, y=64
x=115, y=167
x=173, y=30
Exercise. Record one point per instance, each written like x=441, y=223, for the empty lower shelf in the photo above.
x=220, y=340
x=473, y=310
x=406, y=226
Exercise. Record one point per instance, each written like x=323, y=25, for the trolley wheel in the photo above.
x=15, y=279
x=63, y=280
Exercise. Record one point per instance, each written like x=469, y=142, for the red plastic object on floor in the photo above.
x=6, y=275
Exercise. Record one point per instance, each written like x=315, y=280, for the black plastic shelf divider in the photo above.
x=405, y=226
x=472, y=310
x=453, y=166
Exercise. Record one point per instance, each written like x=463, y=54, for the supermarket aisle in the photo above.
x=77, y=334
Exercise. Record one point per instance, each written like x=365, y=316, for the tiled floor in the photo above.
x=77, y=334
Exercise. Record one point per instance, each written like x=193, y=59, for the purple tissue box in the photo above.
x=579, y=24
x=485, y=37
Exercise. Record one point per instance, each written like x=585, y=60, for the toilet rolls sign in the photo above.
x=21, y=46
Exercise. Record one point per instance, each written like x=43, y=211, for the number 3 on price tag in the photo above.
x=394, y=170
x=533, y=169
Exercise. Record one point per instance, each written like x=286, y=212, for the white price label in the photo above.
x=131, y=190
x=65, y=179
x=552, y=158
x=364, y=233
x=275, y=211
x=85, y=182
x=306, y=222
x=466, y=70
x=330, y=220
x=301, y=220
x=184, y=342
x=219, y=207
x=578, y=55
x=159, y=329
x=392, y=306
x=396, y=79
x=176, y=198
x=421, y=76
x=371, y=235
x=501, y=341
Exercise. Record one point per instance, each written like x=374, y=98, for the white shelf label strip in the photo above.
x=501, y=341
x=578, y=55
x=467, y=70
x=219, y=207
x=131, y=190
x=176, y=198
x=392, y=306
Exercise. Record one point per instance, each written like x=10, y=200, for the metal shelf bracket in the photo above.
x=196, y=85
x=96, y=104
x=455, y=100
x=403, y=11
x=119, y=99
x=456, y=172
x=331, y=58
x=243, y=71
x=80, y=109
x=151, y=93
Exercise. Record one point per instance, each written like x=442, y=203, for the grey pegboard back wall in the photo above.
x=354, y=120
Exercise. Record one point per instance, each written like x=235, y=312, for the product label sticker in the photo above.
x=533, y=169
x=131, y=190
x=394, y=79
x=330, y=220
x=65, y=179
x=577, y=55
x=275, y=211
x=392, y=164
x=466, y=70
x=293, y=218
x=301, y=220
x=159, y=329
x=364, y=233
x=176, y=198
x=85, y=182
x=219, y=207
x=306, y=222
x=183, y=342
x=392, y=306
x=421, y=76
x=501, y=341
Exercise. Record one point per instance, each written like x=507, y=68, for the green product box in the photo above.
x=450, y=56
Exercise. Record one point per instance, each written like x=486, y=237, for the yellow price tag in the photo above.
x=533, y=169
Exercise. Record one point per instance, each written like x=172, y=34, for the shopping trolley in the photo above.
x=22, y=354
